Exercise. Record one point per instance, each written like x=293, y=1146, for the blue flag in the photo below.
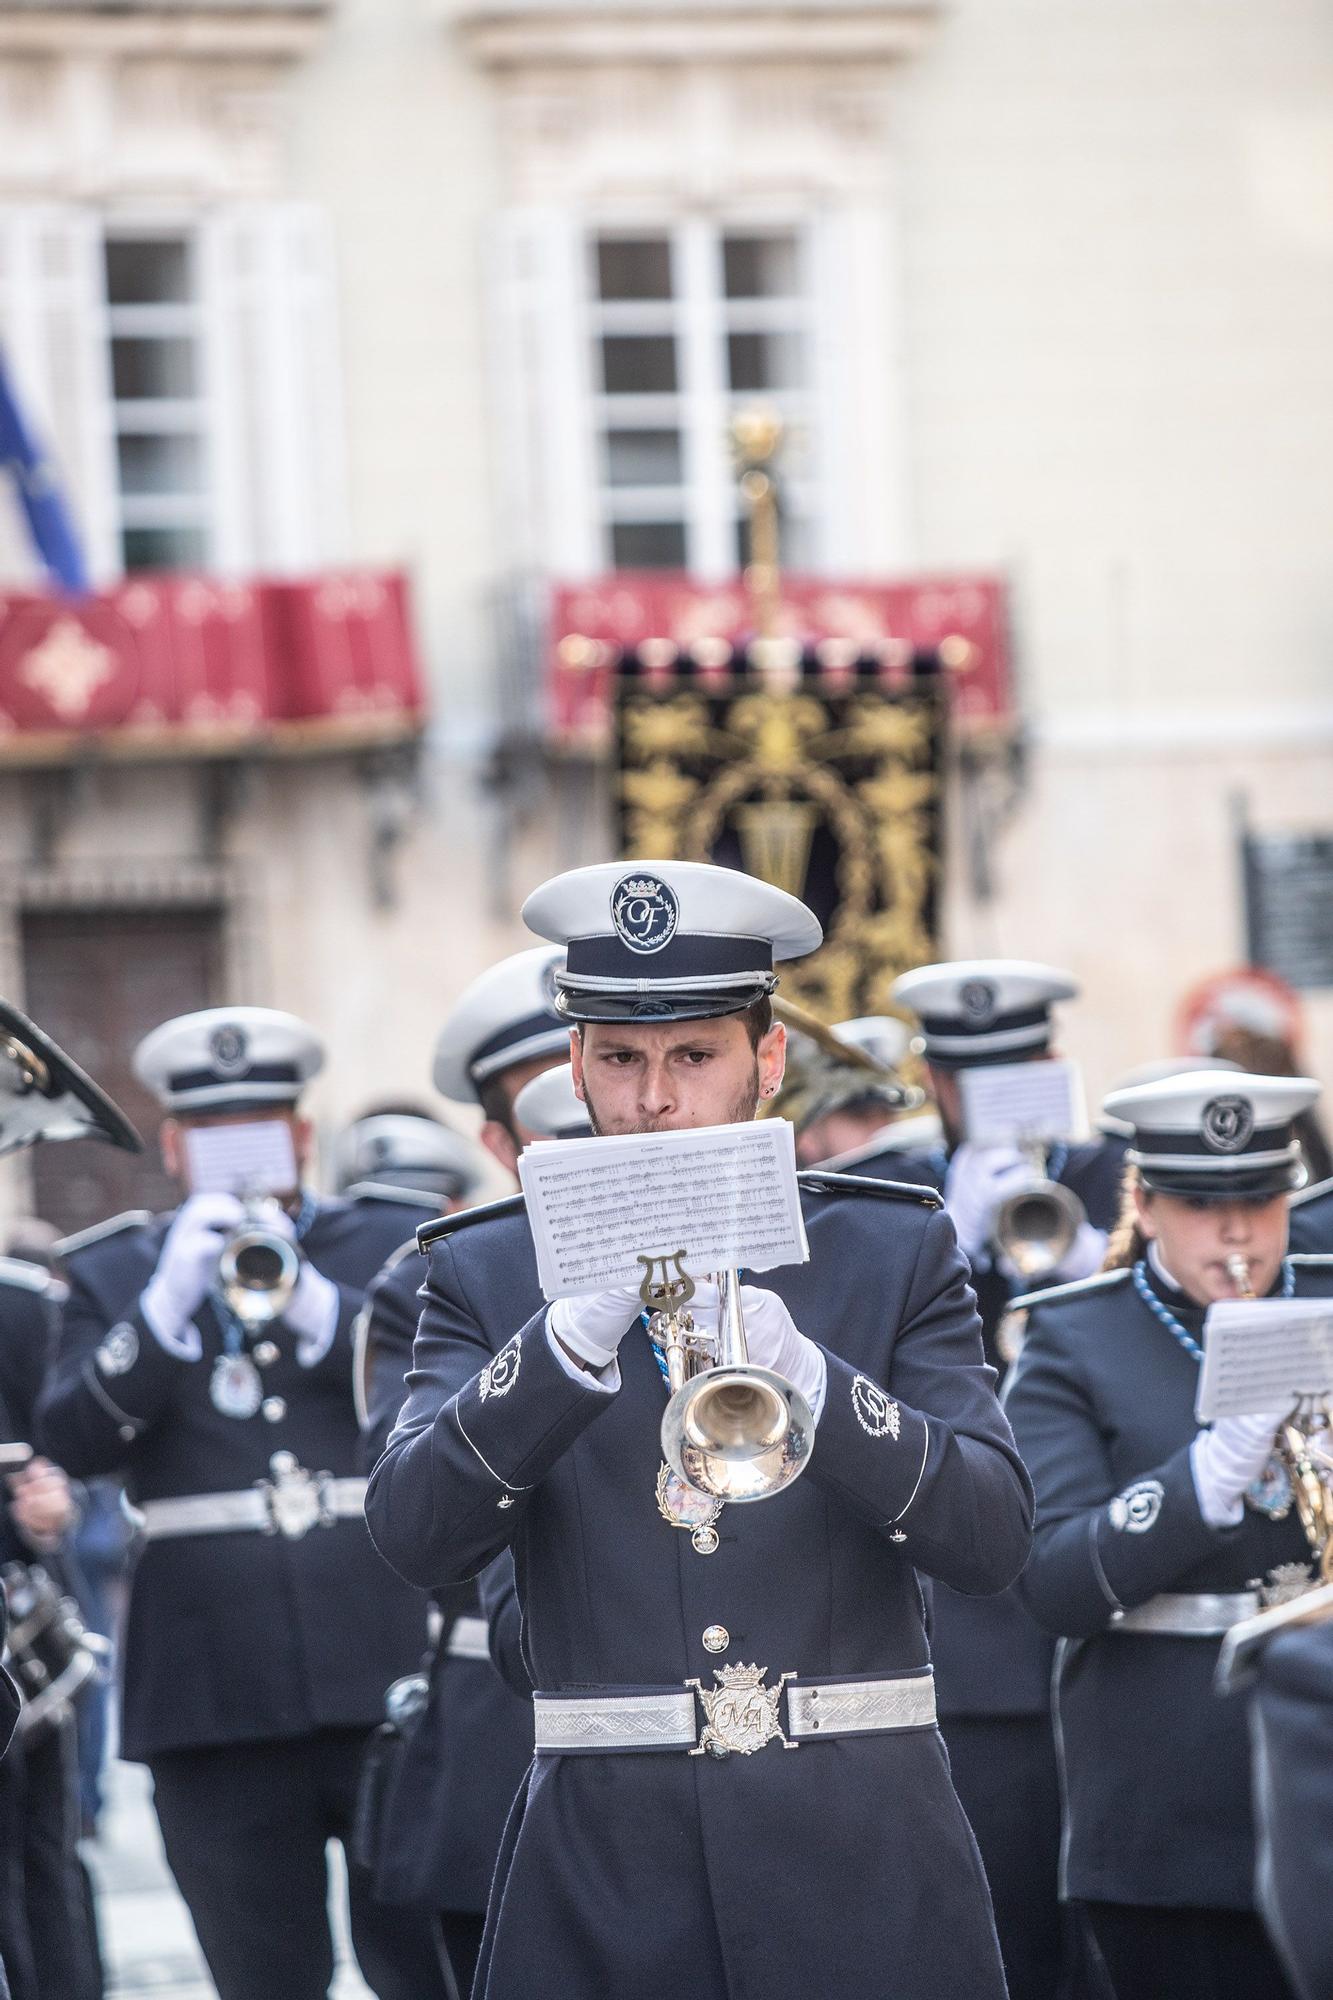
x=34, y=476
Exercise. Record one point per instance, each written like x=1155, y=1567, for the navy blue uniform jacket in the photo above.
x=1156, y=1767
x=1291, y=1720
x=240, y=1637
x=1312, y=1218
x=844, y=1867
x=990, y=1657
x=468, y=1750
x=28, y=1304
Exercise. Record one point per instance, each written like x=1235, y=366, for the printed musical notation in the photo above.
x=724, y=1194
x=1262, y=1354
x=1022, y=1104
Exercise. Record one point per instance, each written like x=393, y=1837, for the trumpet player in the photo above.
x=666, y=1840
x=992, y=1663
x=1155, y=1536
x=262, y=1627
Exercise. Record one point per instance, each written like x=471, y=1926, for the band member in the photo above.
x=628, y=1867
x=550, y=1108
x=992, y=1663
x=1153, y=1535
x=262, y=1627
x=409, y=1151
x=844, y=1114
x=443, y=1808
x=1291, y=1724
x=47, y=1934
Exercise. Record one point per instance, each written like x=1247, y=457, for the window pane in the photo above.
x=634, y=365
x=633, y=268
x=764, y=360
x=163, y=548
x=643, y=458
x=648, y=544
x=153, y=368
x=760, y=267
x=161, y=462
x=154, y=271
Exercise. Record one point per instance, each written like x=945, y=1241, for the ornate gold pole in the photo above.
x=756, y=439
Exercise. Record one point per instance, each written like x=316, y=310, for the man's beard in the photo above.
x=743, y=1108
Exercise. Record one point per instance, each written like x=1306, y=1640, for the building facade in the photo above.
x=1040, y=292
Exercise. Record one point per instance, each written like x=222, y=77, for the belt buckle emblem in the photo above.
x=295, y=1498
x=740, y=1713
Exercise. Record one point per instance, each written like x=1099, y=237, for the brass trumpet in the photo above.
x=1302, y=1444
x=732, y=1430
x=1035, y=1228
x=258, y=1268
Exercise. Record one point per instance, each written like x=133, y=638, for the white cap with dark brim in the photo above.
x=549, y=1107
x=1154, y=1072
x=984, y=1010
x=1215, y=1134
x=228, y=1059
x=505, y=1017
x=667, y=940
x=882, y=1037
x=396, y=1149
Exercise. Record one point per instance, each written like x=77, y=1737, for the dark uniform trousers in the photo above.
x=1159, y=1833
x=255, y=1662
x=844, y=1867
x=48, y=1937
x=451, y=1789
x=993, y=1667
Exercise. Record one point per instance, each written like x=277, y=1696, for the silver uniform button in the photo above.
x=265, y=1354
x=274, y=1409
x=717, y=1638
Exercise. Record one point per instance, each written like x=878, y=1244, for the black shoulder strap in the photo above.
x=816, y=1181
x=449, y=1225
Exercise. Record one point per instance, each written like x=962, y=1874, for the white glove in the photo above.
x=1086, y=1254
x=773, y=1339
x=1225, y=1460
x=593, y=1327
x=312, y=1314
x=187, y=1267
x=979, y=1179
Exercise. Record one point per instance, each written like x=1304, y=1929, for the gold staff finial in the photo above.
x=756, y=439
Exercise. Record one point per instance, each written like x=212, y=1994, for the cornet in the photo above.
x=1302, y=1444
x=1035, y=1228
x=732, y=1430
x=258, y=1268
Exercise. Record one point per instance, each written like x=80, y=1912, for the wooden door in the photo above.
x=97, y=981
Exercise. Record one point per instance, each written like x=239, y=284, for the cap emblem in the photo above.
x=977, y=998
x=229, y=1047
x=1228, y=1123
x=645, y=912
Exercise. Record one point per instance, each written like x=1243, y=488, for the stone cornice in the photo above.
x=507, y=34
x=272, y=30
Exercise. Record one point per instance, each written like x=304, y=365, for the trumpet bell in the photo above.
x=1035, y=1228
x=257, y=1272
x=738, y=1433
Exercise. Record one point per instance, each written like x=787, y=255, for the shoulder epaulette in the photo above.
x=466, y=1218
x=26, y=1277
x=1319, y=1258
x=133, y=1218
x=815, y=1181
x=1099, y=1281
x=405, y=1197
x=1299, y=1199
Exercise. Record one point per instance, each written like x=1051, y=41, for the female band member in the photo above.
x=1153, y=1535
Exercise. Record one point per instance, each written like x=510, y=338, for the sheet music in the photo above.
x=724, y=1194
x=1261, y=1354
x=1022, y=1104
x=256, y=1157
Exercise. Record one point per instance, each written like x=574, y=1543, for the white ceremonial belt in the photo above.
x=1188, y=1615
x=741, y=1714
x=469, y=1639
x=289, y=1507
